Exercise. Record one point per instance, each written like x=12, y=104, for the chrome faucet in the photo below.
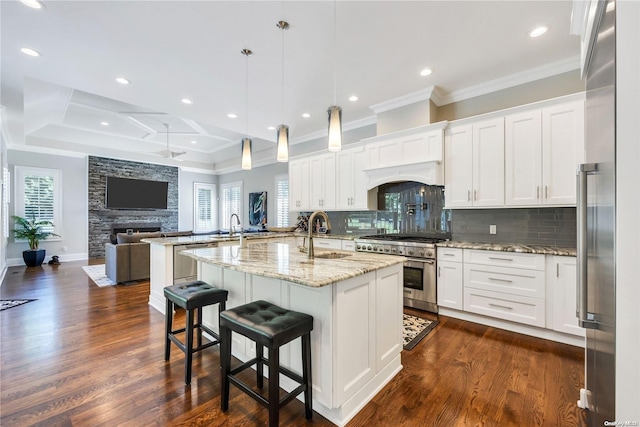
x=310, y=227
x=231, y=228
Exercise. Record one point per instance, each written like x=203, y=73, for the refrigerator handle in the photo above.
x=584, y=318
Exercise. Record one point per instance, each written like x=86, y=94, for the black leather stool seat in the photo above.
x=192, y=296
x=269, y=326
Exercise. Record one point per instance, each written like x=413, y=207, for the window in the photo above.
x=38, y=195
x=282, y=200
x=204, y=199
x=230, y=203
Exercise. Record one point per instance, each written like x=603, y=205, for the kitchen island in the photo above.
x=356, y=302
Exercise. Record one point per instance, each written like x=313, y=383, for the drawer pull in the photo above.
x=501, y=306
x=501, y=280
x=500, y=258
x=446, y=254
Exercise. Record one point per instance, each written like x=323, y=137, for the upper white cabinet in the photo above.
x=299, y=184
x=351, y=188
x=407, y=147
x=561, y=278
x=474, y=164
x=322, y=181
x=543, y=148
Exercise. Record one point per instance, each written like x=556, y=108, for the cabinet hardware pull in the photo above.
x=475, y=195
x=501, y=306
x=501, y=259
x=557, y=269
x=537, y=192
x=439, y=271
x=546, y=192
x=500, y=280
x=446, y=254
x=407, y=292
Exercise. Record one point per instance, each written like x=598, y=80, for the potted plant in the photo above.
x=33, y=232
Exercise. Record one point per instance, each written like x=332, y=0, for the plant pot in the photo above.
x=33, y=258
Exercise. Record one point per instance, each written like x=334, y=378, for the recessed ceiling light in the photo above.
x=30, y=52
x=187, y=101
x=271, y=128
x=538, y=31
x=306, y=115
x=194, y=142
x=353, y=98
x=425, y=72
x=34, y=4
x=104, y=123
x=123, y=81
x=232, y=116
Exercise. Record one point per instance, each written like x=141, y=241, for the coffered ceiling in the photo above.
x=171, y=50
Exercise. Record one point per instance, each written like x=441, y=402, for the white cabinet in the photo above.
x=322, y=182
x=509, y=286
x=449, y=283
x=348, y=245
x=406, y=147
x=561, y=277
x=351, y=188
x=543, y=148
x=563, y=151
x=323, y=243
x=474, y=164
x=299, y=184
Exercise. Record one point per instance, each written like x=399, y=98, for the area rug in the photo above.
x=97, y=274
x=414, y=329
x=9, y=303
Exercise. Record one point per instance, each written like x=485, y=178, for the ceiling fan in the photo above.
x=168, y=153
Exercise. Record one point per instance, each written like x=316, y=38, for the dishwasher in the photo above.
x=185, y=268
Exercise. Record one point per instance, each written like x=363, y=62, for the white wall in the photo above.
x=74, y=228
x=185, y=194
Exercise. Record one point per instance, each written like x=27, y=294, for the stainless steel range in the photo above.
x=419, y=269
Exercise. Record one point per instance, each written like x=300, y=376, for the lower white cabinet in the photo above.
x=449, y=281
x=561, y=278
x=322, y=243
x=510, y=293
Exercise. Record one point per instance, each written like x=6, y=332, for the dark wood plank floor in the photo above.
x=87, y=356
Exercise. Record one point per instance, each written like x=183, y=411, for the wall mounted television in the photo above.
x=127, y=193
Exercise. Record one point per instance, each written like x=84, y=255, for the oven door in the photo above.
x=420, y=284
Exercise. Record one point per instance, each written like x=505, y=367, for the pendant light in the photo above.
x=282, y=130
x=246, y=141
x=335, y=112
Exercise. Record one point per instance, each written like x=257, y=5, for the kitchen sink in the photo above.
x=332, y=255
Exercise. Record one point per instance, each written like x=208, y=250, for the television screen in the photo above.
x=126, y=193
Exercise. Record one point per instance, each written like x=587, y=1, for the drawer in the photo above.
x=449, y=254
x=327, y=243
x=513, y=281
x=508, y=307
x=348, y=245
x=505, y=259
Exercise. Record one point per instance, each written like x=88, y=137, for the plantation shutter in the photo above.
x=204, y=207
x=39, y=200
x=282, y=201
x=231, y=203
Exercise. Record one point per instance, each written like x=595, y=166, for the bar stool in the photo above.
x=270, y=326
x=191, y=297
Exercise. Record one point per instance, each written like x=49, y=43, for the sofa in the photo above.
x=126, y=258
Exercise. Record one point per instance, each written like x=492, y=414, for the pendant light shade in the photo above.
x=246, y=153
x=335, y=112
x=246, y=141
x=335, y=128
x=282, y=135
x=283, y=143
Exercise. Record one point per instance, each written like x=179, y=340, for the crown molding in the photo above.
x=401, y=101
x=548, y=70
x=355, y=124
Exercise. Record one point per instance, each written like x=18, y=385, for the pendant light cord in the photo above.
x=283, y=30
x=335, y=50
x=246, y=95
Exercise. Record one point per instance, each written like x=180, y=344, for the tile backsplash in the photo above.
x=541, y=226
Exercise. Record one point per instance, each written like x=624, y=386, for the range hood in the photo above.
x=411, y=155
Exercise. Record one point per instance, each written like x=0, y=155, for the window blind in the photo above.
x=204, y=209
x=231, y=203
x=282, y=201
x=39, y=201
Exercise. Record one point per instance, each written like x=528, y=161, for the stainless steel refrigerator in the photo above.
x=596, y=223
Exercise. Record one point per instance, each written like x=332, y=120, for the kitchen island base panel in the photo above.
x=345, y=377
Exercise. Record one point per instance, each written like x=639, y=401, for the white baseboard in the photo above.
x=15, y=262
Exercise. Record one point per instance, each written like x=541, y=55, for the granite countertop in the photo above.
x=286, y=262
x=509, y=247
x=187, y=240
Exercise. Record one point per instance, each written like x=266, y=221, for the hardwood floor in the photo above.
x=87, y=356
